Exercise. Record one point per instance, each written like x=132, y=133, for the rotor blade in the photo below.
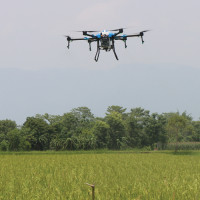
x=144, y=31
x=117, y=29
x=88, y=31
x=137, y=34
x=70, y=39
x=119, y=37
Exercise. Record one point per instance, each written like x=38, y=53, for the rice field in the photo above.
x=116, y=175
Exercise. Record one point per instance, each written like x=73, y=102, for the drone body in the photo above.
x=105, y=40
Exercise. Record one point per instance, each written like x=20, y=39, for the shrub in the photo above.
x=183, y=146
x=4, y=145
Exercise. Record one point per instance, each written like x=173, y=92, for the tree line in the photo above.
x=79, y=129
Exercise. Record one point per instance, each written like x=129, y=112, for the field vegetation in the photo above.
x=183, y=146
x=117, y=175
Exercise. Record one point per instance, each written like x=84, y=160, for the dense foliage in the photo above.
x=80, y=129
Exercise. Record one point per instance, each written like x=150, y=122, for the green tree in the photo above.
x=101, y=131
x=83, y=114
x=57, y=143
x=41, y=133
x=155, y=130
x=117, y=109
x=50, y=119
x=72, y=143
x=87, y=140
x=196, y=127
x=116, y=131
x=4, y=145
x=16, y=141
x=2, y=137
x=175, y=126
x=136, y=122
x=7, y=125
x=69, y=122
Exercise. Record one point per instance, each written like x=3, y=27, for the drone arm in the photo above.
x=90, y=40
x=75, y=39
x=122, y=38
x=141, y=34
x=69, y=39
x=138, y=35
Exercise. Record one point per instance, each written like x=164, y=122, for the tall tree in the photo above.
x=136, y=122
x=7, y=125
x=155, y=130
x=117, y=109
x=101, y=131
x=40, y=131
x=116, y=131
x=83, y=114
x=196, y=126
x=176, y=124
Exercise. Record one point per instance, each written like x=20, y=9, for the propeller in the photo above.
x=117, y=29
x=68, y=37
x=88, y=31
x=142, y=32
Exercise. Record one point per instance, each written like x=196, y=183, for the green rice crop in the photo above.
x=117, y=176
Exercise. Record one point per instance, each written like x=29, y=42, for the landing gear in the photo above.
x=113, y=48
x=98, y=52
x=96, y=58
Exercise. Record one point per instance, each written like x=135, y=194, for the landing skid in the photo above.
x=96, y=58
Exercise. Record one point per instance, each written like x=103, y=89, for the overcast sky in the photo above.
x=38, y=74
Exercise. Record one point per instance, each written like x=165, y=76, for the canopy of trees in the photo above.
x=80, y=129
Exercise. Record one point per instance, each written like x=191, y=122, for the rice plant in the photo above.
x=117, y=176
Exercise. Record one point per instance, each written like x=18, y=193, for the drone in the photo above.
x=105, y=39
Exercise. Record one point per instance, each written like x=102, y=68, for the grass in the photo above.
x=117, y=175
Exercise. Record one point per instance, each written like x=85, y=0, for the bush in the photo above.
x=25, y=146
x=183, y=146
x=4, y=145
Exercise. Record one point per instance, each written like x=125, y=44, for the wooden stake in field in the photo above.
x=93, y=187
